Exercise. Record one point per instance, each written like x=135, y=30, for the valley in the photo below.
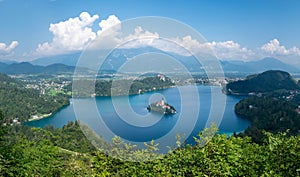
x=149, y=88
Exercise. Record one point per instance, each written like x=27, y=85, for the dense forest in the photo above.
x=267, y=81
x=66, y=152
x=269, y=114
x=21, y=103
x=120, y=86
x=273, y=107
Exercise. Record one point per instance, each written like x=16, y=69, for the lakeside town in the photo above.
x=62, y=84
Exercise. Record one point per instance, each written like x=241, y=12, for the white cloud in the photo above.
x=140, y=38
x=230, y=50
x=70, y=35
x=274, y=48
x=8, y=49
x=76, y=33
x=108, y=35
x=112, y=23
x=185, y=46
x=224, y=50
x=144, y=38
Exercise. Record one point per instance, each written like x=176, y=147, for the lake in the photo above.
x=127, y=116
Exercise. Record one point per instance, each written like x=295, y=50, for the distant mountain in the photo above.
x=119, y=56
x=257, y=66
x=66, y=59
x=115, y=59
x=22, y=68
x=7, y=61
x=2, y=65
x=58, y=68
x=265, y=82
x=28, y=68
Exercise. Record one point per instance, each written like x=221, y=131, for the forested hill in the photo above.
x=28, y=68
x=269, y=113
x=66, y=152
x=267, y=81
x=19, y=103
x=122, y=86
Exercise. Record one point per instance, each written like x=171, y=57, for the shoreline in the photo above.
x=43, y=116
x=35, y=117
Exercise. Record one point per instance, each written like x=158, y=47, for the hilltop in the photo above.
x=28, y=68
x=267, y=81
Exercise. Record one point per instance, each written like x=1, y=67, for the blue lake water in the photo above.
x=127, y=116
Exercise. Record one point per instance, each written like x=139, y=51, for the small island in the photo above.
x=161, y=107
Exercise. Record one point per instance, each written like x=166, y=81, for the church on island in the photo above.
x=161, y=107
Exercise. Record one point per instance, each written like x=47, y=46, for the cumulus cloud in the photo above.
x=143, y=38
x=108, y=35
x=274, y=48
x=230, y=50
x=112, y=23
x=70, y=35
x=76, y=33
x=188, y=46
x=8, y=49
x=185, y=46
x=140, y=38
x=227, y=50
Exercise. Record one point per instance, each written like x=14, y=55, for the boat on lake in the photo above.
x=161, y=107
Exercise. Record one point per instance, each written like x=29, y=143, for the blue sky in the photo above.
x=251, y=28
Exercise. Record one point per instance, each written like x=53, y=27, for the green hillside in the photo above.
x=16, y=101
x=268, y=114
x=121, y=86
x=267, y=81
x=66, y=152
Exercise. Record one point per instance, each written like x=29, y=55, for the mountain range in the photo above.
x=28, y=68
x=257, y=66
x=67, y=63
x=66, y=59
x=118, y=57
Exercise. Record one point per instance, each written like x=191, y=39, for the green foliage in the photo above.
x=37, y=152
x=68, y=137
x=150, y=84
x=1, y=119
x=282, y=155
x=120, y=87
x=18, y=102
x=27, y=151
x=267, y=113
x=29, y=158
x=72, y=138
x=265, y=82
x=220, y=156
